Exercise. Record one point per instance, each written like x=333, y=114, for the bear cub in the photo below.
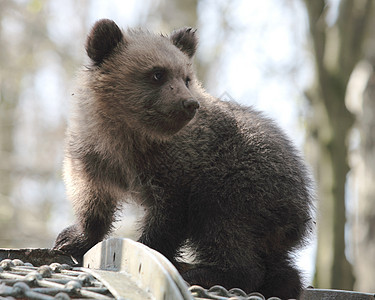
x=214, y=176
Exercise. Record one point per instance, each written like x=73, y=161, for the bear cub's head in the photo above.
x=143, y=80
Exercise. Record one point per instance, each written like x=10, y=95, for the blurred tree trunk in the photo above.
x=365, y=256
x=337, y=49
x=175, y=14
x=363, y=104
x=9, y=93
x=7, y=117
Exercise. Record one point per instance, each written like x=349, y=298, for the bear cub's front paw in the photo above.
x=72, y=241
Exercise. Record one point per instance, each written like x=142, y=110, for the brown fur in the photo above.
x=212, y=175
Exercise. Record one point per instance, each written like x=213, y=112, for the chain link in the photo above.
x=218, y=292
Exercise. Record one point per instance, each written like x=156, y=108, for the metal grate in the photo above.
x=19, y=280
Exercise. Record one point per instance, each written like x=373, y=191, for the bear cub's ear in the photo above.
x=185, y=40
x=103, y=38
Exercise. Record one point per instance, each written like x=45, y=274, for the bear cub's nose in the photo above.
x=190, y=104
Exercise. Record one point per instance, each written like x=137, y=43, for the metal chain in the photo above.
x=56, y=281
x=218, y=292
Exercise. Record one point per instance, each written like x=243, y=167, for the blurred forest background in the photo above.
x=308, y=64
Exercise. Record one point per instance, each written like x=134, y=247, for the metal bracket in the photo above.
x=139, y=268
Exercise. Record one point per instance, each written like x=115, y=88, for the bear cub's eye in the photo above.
x=158, y=76
x=187, y=81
